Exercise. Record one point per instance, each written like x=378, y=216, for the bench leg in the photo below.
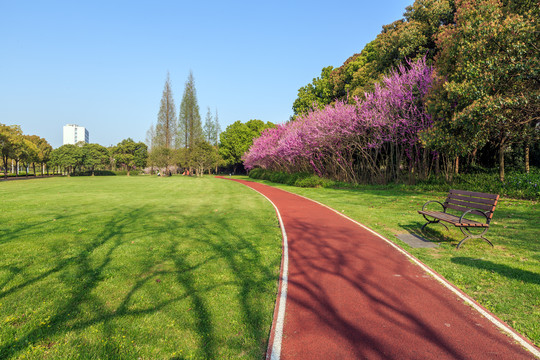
x=433, y=222
x=469, y=235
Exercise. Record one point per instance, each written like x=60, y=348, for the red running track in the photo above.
x=351, y=295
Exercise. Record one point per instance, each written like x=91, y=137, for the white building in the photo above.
x=75, y=133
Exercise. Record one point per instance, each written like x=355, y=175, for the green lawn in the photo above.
x=136, y=268
x=504, y=279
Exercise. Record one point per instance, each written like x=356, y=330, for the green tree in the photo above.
x=237, y=139
x=415, y=35
x=315, y=95
x=189, y=121
x=44, y=153
x=68, y=157
x=166, y=128
x=204, y=156
x=151, y=137
x=130, y=154
x=95, y=155
x=409, y=38
x=217, y=129
x=490, y=61
x=10, y=141
x=210, y=130
x=27, y=153
x=162, y=157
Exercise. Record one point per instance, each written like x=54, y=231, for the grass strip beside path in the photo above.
x=504, y=279
x=136, y=267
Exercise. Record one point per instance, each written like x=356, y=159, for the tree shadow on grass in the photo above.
x=89, y=265
x=86, y=279
x=504, y=270
x=25, y=230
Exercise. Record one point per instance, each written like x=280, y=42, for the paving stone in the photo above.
x=416, y=241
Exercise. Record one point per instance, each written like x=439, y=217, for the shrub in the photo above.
x=517, y=185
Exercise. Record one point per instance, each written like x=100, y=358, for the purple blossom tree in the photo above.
x=368, y=140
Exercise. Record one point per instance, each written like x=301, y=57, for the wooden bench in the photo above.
x=465, y=203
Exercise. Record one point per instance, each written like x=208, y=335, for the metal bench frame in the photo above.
x=466, y=202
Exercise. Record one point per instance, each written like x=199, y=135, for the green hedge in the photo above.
x=296, y=179
x=106, y=173
x=516, y=185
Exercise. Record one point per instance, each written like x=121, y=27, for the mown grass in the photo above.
x=135, y=268
x=504, y=279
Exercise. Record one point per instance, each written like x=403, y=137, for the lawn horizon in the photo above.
x=136, y=267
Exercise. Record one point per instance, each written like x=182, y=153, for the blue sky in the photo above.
x=103, y=64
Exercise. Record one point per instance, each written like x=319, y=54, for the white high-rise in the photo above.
x=75, y=133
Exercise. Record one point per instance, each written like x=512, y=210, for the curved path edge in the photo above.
x=466, y=298
x=273, y=351
x=276, y=334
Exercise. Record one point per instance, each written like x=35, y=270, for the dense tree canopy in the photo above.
x=11, y=138
x=237, y=139
x=95, y=155
x=130, y=154
x=485, y=93
x=489, y=87
x=407, y=39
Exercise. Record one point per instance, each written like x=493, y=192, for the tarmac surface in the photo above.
x=351, y=295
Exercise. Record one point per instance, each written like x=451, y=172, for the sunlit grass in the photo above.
x=136, y=267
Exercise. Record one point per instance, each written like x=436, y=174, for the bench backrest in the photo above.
x=462, y=200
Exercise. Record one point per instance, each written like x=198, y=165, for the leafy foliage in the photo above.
x=237, y=139
x=10, y=141
x=130, y=154
x=488, y=87
x=408, y=39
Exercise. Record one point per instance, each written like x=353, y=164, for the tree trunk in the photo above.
x=501, y=163
x=456, y=167
x=527, y=169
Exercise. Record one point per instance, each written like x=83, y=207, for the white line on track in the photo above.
x=274, y=349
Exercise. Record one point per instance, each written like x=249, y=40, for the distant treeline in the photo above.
x=24, y=152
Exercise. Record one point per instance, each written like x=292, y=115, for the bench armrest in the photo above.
x=433, y=201
x=476, y=212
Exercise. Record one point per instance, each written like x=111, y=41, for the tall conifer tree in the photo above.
x=166, y=127
x=189, y=121
x=209, y=128
x=217, y=128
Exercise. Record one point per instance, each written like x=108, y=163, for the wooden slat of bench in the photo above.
x=470, y=205
x=471, y=199
x=453, y=219
x=475, y=194
x=462, y=209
